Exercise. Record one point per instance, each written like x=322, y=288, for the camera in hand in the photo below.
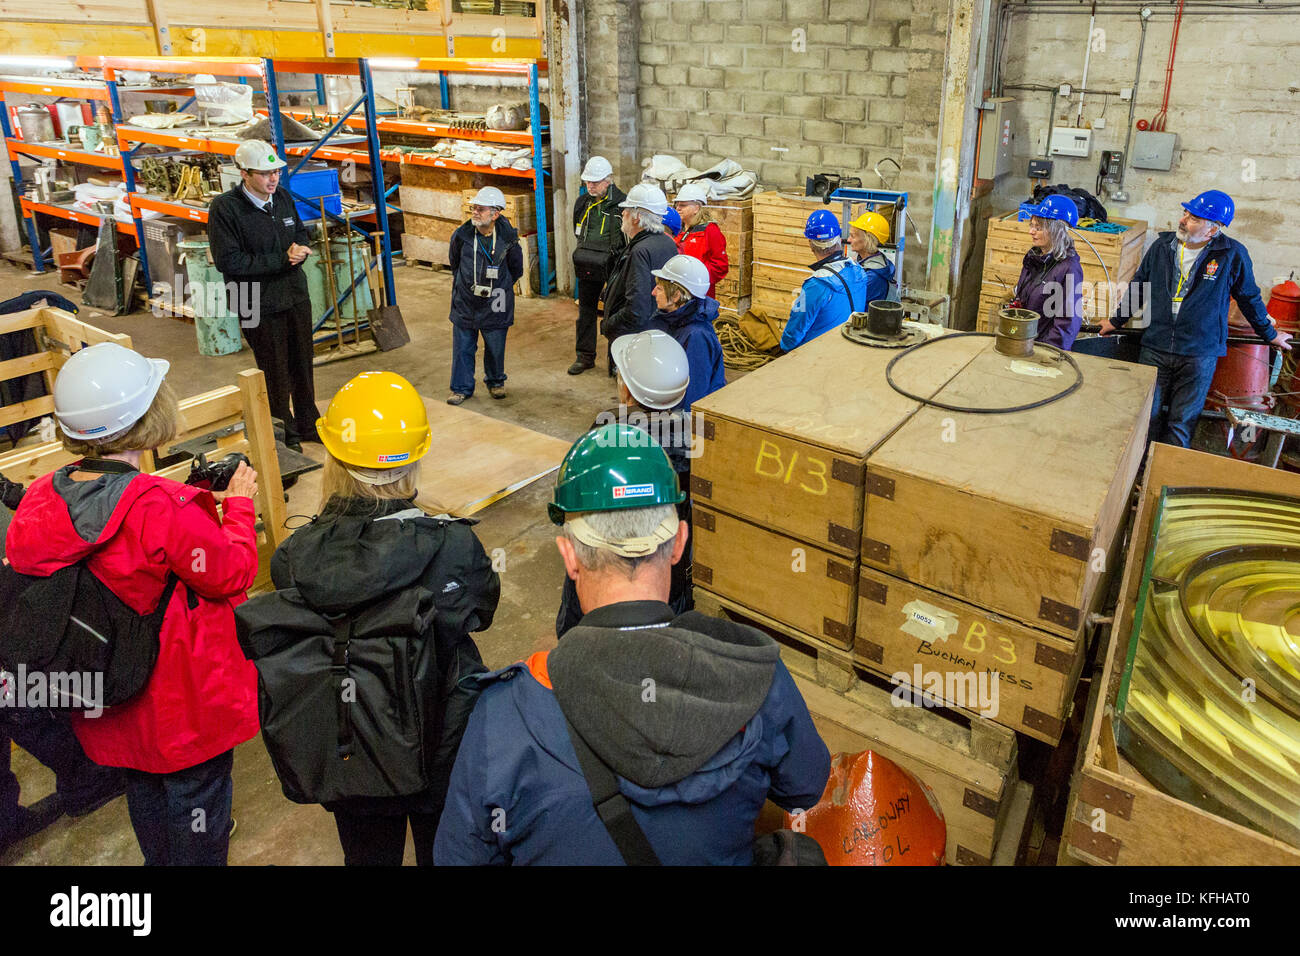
x=215, y=475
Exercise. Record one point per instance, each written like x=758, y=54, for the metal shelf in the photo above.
x=82, y=157
x=67, y=212
x=414, y=128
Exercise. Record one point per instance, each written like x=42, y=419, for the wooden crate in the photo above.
x=786, y=446
x=431, y=177
x=1008, y=240
x=809, y=589
x=419, y=247
x=430, y=227
x=1140, y=824
x=439, y=203
x=971, y=766
x=901, y=625
x=1016, y=513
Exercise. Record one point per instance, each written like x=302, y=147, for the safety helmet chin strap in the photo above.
x=627, y=547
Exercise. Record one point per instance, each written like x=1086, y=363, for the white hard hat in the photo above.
x=697, y=191
x=104, y=389
x=597, y=168
x=653, y=366
x=646, y=196
x=258, y=156
x=686, y=271
x=489, y=196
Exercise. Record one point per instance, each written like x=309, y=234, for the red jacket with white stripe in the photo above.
x=201, y=699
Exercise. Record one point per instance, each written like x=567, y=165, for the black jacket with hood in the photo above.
x=356, y=555
x=629, y=293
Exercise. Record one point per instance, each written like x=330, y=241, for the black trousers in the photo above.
x=588, y=320
x=49, y=738
x=372, y=840
x=281, y=343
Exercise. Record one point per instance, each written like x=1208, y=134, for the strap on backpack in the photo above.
x=613, y=808
x=852, y=307
x=339, y=668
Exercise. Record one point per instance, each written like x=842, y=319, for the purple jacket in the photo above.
x=1054, y=289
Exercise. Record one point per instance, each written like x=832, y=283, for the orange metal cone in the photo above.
x=875, y=813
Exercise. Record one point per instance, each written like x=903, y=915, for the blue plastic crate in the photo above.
x=313, y=184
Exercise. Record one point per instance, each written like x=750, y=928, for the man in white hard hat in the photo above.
x=629, y=293
x=597, y=224
x=259, y=245
x=653, y=375
x=486, y=262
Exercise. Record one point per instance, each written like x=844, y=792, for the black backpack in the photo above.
x=1089, y=206
x=347, y=703
x=70, y=627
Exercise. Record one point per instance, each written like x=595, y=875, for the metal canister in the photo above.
x=36, y=123
x=1016, y=331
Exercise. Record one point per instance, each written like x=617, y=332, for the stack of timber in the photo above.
x=1116, y=816
x=781, y=254
x=1004, y=254
x=881, y=531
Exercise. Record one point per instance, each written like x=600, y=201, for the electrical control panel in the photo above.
x=997, y=136
x=1153, y=150
x=1068, y=141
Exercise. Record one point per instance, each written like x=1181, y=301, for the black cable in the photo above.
x=889, y=377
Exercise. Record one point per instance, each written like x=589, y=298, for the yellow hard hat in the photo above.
x=377, y=420
x=874, y=223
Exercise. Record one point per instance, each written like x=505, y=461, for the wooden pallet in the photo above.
x=969, y=764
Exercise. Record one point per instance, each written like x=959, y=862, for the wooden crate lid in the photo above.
x=832, y=392
x=1058, y=460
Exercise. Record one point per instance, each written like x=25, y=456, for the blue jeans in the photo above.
x=165, y=815
x=464, y=344
x=1182, y=382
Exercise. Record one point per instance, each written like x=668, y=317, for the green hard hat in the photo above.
x=611, y=467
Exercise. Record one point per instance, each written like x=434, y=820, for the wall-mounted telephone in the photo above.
x=1112, y=164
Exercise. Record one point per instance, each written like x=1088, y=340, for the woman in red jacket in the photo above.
x=700, y=236
x=177, y=736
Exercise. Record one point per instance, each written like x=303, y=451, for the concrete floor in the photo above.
x=272, y=830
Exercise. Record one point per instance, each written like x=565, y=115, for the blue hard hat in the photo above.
x=1052, y=207
x=1213, y=205
x=822, y=225
x=673, y=221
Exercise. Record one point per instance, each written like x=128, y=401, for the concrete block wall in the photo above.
x=837, y=85
x=824, y=80
x=1234, y=105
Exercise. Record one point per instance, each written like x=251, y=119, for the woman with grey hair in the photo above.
x=1051, y=280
